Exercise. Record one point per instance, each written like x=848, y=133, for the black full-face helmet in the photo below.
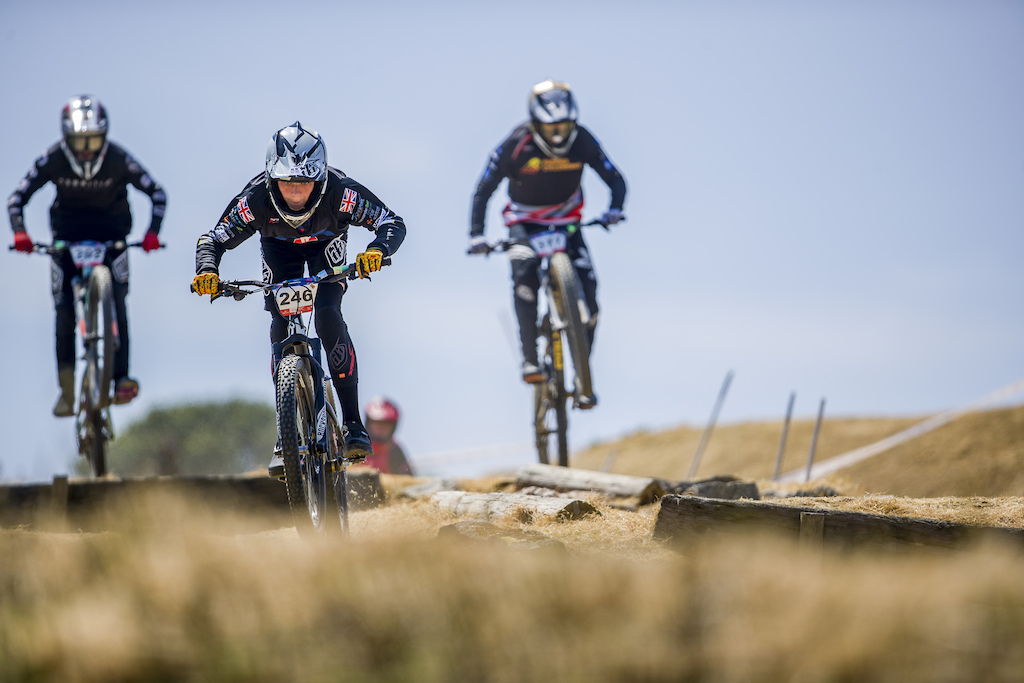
x=296, y=154
x=83, y=122
x=553, y=115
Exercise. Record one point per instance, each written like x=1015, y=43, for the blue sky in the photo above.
x=825, y=198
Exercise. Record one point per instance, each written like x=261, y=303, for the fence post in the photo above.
x=785, y=432
x=814, y=440
x=707, y=430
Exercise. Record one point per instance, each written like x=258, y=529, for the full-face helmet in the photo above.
x=381, y=419
x=296, y=154
x=553, y=115
x=83, y=123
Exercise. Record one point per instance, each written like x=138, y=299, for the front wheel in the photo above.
x=570, y=305
x=101, y=338
x=305, y=473
x=93, y=435
x=550, y=417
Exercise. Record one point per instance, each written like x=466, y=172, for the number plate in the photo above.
x=87, y=254
x=547, y=243
x=295, y=296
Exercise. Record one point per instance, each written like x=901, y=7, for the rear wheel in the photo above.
x=305, y=474
x=567, y=300
x=101, y=337
x=338, y=479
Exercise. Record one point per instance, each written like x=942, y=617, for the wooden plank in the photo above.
x=682, y=518
x=646, y=489
x=497, y=506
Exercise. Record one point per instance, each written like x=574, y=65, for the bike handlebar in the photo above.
x=234, y=288
x=62, y=245
x=503, y=245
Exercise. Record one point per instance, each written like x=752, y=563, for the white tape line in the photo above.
x=863, y=453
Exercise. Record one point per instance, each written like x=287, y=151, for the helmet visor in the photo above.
x=84, y=143
x=556, y=133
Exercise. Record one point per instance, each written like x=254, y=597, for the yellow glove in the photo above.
x=205, y=283
x=369, y=261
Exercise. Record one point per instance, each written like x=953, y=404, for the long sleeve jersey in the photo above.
x=543, y=189
x=345, y=202
x=93, y=209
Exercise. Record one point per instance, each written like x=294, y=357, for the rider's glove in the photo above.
x=369, y=261
x=205, y=283
x=478, y=245
x=150, y=242
x=611, y=216
x=22, y=242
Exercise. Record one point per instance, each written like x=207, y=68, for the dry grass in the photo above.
x=163, y=597
x=980, y=454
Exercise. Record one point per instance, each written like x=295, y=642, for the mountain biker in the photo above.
x=543, y=160
x=302, y=209
x=381, y=421
x=91, y=175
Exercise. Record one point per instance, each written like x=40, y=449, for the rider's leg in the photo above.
x=525, y=283
x=61, y=272
x=342, y=366
x=125, y=388
x=580, y=255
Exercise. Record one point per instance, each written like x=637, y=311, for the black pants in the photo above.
x=62, y=270
x=526, y=282
x=285, y=261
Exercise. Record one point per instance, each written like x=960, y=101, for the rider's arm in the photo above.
x=359, y=206
x=494, y=173
x=138, y=177
x=236, y=225
x=36, y=177
x=596, y=158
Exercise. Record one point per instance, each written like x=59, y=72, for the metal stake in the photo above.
x=814, y=441
x=711, y=425
x=785, y=432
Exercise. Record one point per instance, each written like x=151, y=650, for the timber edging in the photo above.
x=685, y=518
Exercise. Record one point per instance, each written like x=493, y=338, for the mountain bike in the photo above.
x=96, y=322
x=312, y=439
x=564, y=318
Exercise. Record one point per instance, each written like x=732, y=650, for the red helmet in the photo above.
x=382, y=410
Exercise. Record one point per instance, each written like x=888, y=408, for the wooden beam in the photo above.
x=497, y=506
x=682, y=518
x=646, y=489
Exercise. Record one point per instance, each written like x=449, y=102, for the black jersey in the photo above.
x=542, y=188
x=93, y=209
x=345, y=202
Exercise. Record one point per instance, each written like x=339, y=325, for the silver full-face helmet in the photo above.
x=83, y=123
x=553, y=115
x=296, y=154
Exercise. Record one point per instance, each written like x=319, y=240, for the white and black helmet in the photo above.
x=296, y=154
x=83, y=123
x=553, y=115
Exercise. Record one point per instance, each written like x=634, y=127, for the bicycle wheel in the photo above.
x=568, y=302
x=305, y=476
x=100, y=338
x=92, y=439
x=549, y=412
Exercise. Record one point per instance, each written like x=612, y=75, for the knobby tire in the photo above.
x=567, y=299
x=305, y=476
x=101, y=322
x=550, y=415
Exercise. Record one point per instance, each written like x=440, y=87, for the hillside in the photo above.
x=979, y=454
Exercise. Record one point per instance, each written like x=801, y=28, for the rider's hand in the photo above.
x=611, y=217
x=369, y=261
x=205, y=283
x=478, y=245
x=150, y=242
x=22, y=242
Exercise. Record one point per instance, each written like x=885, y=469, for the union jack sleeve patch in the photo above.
x=243, y=210
x=348, y=200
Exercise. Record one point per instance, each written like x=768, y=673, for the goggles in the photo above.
x=81, y=143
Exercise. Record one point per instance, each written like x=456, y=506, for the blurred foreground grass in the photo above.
x=180, y=591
